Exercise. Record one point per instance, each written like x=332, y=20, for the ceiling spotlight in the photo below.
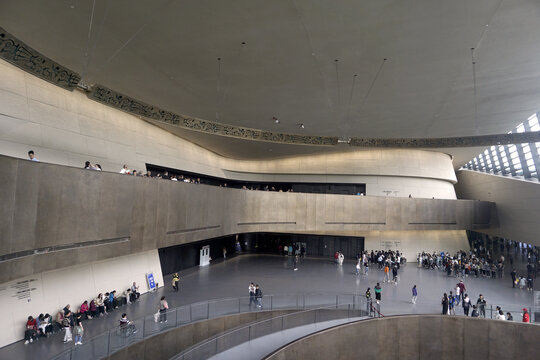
x=276, y=120
x=301, y=126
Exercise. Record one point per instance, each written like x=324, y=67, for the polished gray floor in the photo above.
x=265, y=345
x=274, y=274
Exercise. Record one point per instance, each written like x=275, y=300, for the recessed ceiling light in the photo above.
x=301, y=126
x=276, y=120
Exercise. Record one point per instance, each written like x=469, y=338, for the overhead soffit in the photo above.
x=165, y=53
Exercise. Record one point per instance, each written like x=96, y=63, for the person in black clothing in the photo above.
x=394, y=274
x=258, y=296
x=513, y=274
x=474, y=312
x=481, y=303
x=444, y=303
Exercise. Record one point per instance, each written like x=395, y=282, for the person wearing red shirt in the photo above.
x=526, y=317
x=31, y=330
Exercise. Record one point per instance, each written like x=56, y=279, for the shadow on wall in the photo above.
x=419, y=337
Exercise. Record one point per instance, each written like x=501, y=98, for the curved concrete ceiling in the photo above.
x=277, y=59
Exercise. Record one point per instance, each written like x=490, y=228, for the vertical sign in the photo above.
x=151, y=282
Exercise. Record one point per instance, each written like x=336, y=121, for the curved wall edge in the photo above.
x=67, y=128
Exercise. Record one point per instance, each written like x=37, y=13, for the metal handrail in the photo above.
x=259, y=323
x=148, y=327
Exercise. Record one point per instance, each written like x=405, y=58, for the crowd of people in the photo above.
x=71, y=322
x=480, y=262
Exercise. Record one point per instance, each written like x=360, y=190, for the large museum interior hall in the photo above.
x=284, y=179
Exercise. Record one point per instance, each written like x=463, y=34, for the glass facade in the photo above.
x=514, y=160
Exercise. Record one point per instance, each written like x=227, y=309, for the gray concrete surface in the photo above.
x=419, y=337
x=48, y=205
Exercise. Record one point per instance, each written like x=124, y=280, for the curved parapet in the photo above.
x=419, y=337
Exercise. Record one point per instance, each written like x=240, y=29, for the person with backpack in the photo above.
x=175, y=281
x=66, y=325
x=78, y=330
x=451, y=302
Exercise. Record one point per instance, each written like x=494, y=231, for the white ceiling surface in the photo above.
x=165, y=53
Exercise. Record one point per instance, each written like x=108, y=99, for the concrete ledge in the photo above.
x=419, y=337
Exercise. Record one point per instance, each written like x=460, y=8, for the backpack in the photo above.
x=65, y=322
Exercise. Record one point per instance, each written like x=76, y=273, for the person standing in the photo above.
x=368, y=300
x=481, y=304
x=394, y=274
x=66, y=324
x=251, y=289
x=366, y=268
x=258, y=296
x=295, y=262
x=31, y=156
x=378, y=292
x=525, y=318
x=163, y=307
x=466, y=304
x=513, y=274
x=386, y=274
x=462, y=289
x=78, y=330
x=358, y=268
x=340, y=259
x=444, y=304
x=451, y=303
x=175, y=281
x=414, y=294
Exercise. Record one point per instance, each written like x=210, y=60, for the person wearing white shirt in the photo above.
x=124, y=170
x=31, y=156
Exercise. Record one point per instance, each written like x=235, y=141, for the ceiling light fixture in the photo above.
x=301, y=126
x=276, y=120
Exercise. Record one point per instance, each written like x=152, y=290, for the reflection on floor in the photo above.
x=274, y=274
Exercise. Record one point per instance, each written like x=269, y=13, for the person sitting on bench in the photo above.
x=134, y=292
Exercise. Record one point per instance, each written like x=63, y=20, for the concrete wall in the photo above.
x=67, y=128
x=50, y=291
x=419, y=337
x=50, y=205
x=518, y=203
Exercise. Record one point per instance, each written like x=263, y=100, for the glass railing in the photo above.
x=241, y=335
x=115, y=339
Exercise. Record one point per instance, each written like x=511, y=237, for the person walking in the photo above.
x=358, y=268
x=78, y=330
x=466, y=304
x=444, y=304
x=295, y=262
x=481, y=304
x=175, y=281
x=163, y=307
x=366, y=268
x=462, y=290
x=414, y=294
x=251, y=290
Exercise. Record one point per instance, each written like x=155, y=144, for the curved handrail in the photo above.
x=243, y=338
x=109, y=342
